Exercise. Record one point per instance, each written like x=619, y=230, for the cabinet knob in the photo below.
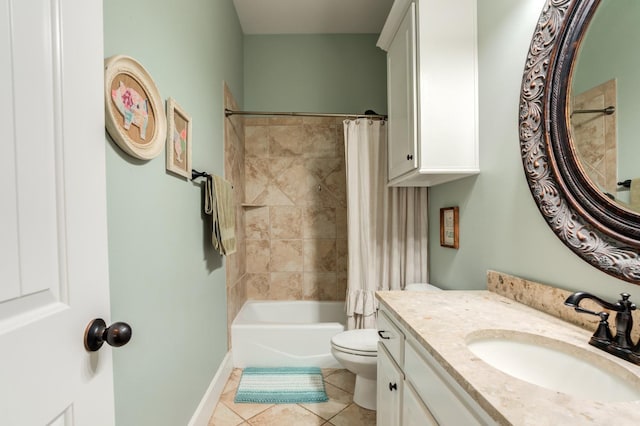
x=409, y=156
x=393, y=386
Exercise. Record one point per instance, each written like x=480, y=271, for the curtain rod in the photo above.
x=228, y=112
x=607, y=111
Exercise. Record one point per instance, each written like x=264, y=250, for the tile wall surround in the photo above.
x=290, y=192
x=296, y=230
x=550, y=300
x=234, y=157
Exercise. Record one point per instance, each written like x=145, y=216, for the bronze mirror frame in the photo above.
x=601, y=232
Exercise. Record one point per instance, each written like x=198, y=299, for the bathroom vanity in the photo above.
x=445, y=358
x=408, y=377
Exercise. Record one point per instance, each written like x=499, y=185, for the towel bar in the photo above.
x=196, y=174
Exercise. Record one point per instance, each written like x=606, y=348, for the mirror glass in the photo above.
x=605, y=102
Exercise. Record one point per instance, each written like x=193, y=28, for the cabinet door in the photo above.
x=402, y=98
x=446, y=400
x=414, y=412
x=389, y=391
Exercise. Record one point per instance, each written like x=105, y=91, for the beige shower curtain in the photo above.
x=386, y=227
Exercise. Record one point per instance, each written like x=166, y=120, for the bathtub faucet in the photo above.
x=620, y=345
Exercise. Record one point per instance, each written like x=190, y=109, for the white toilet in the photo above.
x=357, y=351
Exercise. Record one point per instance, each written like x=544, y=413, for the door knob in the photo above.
x=97, y=332
x=393, y=386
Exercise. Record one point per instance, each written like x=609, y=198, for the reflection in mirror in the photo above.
x=605, y=102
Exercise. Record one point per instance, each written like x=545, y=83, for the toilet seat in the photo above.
x=362, y=342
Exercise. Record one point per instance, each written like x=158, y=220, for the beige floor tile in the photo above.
x=354, y=415
x=286, y=414
x=223, y=416
x=329, y=371
x=338, y=400
x=343, y=379
x=246, y=411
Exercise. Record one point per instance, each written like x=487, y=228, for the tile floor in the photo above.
x=338, y=411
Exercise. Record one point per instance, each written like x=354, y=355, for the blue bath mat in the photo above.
x=288, y=385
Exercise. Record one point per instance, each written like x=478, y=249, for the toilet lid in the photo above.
x=361, y=340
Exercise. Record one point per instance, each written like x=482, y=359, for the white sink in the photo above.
x=555, y=365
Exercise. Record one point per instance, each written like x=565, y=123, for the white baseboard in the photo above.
x=212, y=395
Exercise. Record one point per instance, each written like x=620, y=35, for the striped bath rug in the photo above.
x=287, y=385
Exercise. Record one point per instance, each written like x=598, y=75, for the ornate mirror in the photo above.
x=585, y=215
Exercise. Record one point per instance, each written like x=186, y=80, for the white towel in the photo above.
x=219, y=204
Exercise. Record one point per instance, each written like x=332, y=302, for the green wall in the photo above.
x=500, y=225
x=609, y=51
x=166, y=281
x=339, y=73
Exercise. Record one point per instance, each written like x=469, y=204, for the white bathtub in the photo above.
x=286, y=333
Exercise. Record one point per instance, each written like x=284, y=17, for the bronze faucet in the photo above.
x=619, y=345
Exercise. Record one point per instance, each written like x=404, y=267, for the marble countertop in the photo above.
x=442, y=321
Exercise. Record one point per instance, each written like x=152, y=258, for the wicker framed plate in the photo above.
x=134, y=113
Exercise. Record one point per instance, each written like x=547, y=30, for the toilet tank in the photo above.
x=421, y=287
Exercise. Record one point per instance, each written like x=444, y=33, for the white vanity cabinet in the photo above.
x=389, y=389
x=390, y=378
x=426, y=394
x=414, y=412
x=431, y=50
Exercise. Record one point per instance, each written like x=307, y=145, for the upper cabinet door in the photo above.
x=432, y=91
x=401, y=95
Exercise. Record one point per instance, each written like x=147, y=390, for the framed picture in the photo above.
x=178, y=140
x=449, y=236
x=134, y=116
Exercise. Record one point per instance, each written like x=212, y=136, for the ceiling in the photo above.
x=312, y=16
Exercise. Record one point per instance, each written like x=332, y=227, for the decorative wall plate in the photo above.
x=134, y=113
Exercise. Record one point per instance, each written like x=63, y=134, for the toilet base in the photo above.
x=364, y=393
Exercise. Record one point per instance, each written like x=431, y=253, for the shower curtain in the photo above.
x=386, y=227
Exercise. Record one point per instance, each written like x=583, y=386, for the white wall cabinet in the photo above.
x=432, y=91
x=426, y=393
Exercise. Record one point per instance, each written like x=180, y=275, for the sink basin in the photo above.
x=555, y=365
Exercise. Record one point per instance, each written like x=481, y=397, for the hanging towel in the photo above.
x=219, y=204
x=634, y=195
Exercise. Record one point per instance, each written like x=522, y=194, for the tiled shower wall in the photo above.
x=234, y=157
x=295, y=191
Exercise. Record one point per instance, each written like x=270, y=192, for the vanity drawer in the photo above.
x=391, y=337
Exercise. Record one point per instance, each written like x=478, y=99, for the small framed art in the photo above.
x=134, y=116
x=178, y=140
x=449, y=231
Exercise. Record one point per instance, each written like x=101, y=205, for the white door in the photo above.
x=53, y=242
